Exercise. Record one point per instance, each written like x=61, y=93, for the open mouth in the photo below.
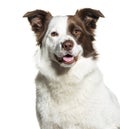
x=67, y=59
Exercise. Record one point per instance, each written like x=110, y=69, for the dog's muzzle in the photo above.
x=67, y=56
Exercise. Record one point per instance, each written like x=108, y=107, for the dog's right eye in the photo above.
x=54, y=33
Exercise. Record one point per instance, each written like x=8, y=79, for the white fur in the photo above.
x=71, y=99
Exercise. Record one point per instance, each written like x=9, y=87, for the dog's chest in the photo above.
x=63, y=101
x=60, y=107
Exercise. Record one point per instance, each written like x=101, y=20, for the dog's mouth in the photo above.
x=67, y=59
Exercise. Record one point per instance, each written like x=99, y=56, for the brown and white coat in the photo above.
x=70, y=92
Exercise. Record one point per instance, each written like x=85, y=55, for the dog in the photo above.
x=70, y=91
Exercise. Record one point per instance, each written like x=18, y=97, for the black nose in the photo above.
x=67, y=45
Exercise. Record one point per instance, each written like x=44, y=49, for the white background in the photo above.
x=17, y=44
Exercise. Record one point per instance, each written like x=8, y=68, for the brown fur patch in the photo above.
x=77, y=29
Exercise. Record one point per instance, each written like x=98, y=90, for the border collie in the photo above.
x=70, y=91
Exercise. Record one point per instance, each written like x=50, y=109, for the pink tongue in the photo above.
x=68, y=59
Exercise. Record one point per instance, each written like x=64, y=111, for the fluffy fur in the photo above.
x=70, y=92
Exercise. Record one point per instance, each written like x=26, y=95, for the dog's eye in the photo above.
x=76, y=32
x=54, y=33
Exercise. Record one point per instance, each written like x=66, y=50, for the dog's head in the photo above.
x=65, y=39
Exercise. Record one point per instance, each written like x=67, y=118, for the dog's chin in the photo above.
x=66, y=60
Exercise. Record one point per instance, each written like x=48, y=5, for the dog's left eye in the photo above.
x=76, y=32
x=54, y=33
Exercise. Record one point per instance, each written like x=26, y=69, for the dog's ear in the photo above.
x=39, y=20
x=89, y=17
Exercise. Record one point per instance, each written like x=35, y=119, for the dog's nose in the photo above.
x=67, y=45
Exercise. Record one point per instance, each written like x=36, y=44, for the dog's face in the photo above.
x=65, y=39
x=61, y=42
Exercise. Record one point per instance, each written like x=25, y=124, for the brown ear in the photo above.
x=39, y=20
x=89, y=17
